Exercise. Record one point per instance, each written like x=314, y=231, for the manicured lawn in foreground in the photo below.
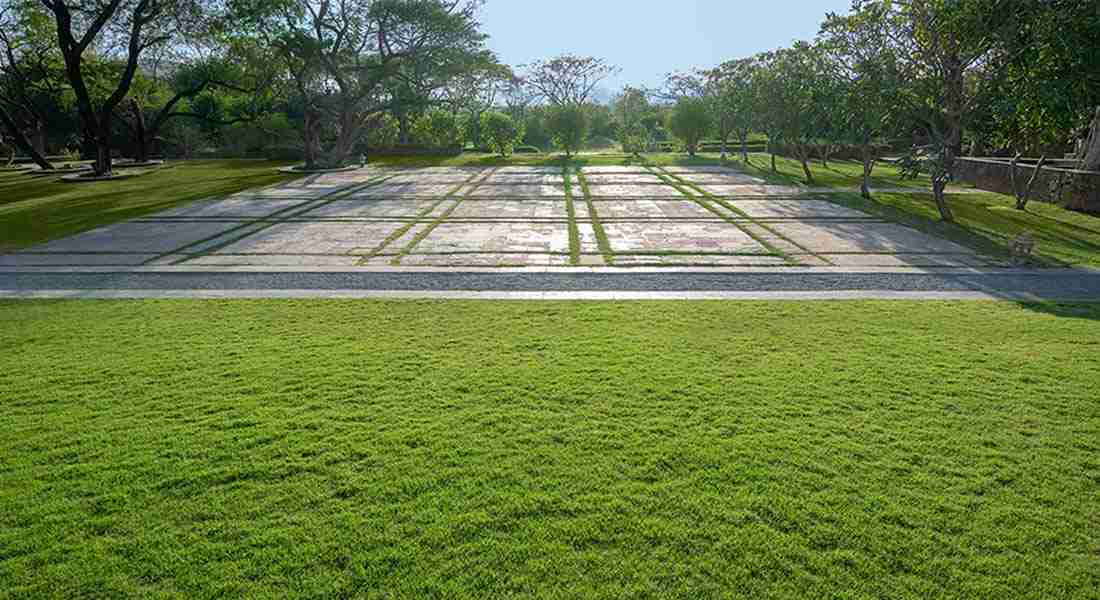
x=476, y=449
x=37, y=209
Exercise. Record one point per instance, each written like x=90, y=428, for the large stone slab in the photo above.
x=519, y=190
x=381, y=208
x=244, y=207
x=140, y=237
x=511, y=209
x=881, y=238
x=652, y=209
x=515, y=170
x=615, y=169
x=623, y=178
x=705, y=260
x=685, y=237
x=315, y=238
x=480, y=260
x=392, y=190
x=74, y=260
x=720, y=178
x=633, y=191
x=499, y=178
x=905, y=260
x=736, y=191
x=491, y=238
x=796, y=209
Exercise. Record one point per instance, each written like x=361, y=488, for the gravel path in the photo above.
x=1053, y=285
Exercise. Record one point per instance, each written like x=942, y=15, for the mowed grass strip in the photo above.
x=602, y=241
x=34, y=210
x=571, y=212
x=591, y=450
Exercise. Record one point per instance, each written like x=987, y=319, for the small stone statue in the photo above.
x=363, y=160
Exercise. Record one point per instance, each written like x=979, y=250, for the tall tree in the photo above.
x=863, y=58
x=568, y=80
x=691, y=121
x=30, y=77
x=945, y=46
x=729, y=88
x=793, y=94
x=346, y=59
x=134, y=27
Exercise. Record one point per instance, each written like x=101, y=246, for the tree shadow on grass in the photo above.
x=1089, y=311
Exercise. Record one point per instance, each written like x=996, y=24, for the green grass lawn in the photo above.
x=38, y=209
x=475, y=449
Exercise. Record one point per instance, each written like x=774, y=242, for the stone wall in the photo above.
x=1080, y=192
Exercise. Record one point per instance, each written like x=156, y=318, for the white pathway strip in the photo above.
x=496, y=295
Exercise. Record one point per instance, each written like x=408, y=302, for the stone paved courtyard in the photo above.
x=510, y=216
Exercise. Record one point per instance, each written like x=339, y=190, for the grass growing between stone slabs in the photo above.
x=602, y=240
x=986, y=222
x=38, y=209
x=479, y=449
x=571, y=213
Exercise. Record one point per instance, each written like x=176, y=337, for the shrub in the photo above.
x=568, y=125
x=500, y=132
x=527, y=150
x=690, y=121
x=439, y=129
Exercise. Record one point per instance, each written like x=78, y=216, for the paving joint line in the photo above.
x=703, y=200
x=474, y=182
x=602, y=240
x=571, y=212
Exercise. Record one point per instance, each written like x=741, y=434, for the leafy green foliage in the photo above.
x=501, y=132
x=439, y=129
x=690, y=121
x=568, y=127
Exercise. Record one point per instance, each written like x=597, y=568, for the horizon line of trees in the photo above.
x=330, y=79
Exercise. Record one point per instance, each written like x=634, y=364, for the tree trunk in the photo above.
x=826, y=152
x=103, y=166
x=745, y=148
x=939, y=184
x=868, y=167
x=1023, y=195
x=723, y=149
x=309, y=138
x=403, y=128
x=40, y=136
x=804, y=158
x=1091, y=156
x=21, y=141
x=141, y=137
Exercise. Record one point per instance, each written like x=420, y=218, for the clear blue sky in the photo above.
x=648, y=38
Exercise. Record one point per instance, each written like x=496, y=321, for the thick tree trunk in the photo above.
x=103, y=165
x=309, y=138
x=141, y=137
x=40, y=136
x=21, y=141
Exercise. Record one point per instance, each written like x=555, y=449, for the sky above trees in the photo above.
x=649, y=39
